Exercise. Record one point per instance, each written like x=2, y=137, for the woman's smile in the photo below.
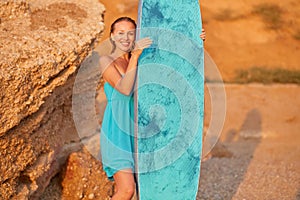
x=125, y=44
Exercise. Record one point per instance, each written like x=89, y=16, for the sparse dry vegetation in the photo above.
x=226, y=14
x=270, y=13
x=267, y=76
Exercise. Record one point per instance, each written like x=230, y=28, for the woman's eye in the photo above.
x=121, y=33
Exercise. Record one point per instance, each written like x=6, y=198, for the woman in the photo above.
x=119, y=72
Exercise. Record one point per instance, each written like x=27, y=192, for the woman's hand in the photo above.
x=203, y=35
x=140, y=45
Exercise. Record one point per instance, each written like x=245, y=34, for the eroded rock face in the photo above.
x=40, y=47
x=42, y=43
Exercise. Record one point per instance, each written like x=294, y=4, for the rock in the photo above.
x=44, y=35
x=91, y=196
x=83, y=169
x=41, y=55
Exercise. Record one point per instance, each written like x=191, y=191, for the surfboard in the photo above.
x=169, y=100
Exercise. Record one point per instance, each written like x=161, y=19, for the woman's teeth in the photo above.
x=125, y=43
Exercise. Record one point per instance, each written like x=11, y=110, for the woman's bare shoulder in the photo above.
x=105, y=61
x=106, y=58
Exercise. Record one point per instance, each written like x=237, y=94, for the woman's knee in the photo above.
x=127, y=190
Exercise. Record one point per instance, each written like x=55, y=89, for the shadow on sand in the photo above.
x=223, y=173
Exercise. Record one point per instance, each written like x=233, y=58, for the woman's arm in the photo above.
x=124, y=84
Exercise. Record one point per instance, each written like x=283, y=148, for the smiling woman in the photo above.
x=119, y=72
x=122, y=37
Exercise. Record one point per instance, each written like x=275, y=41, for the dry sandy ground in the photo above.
x=258, y=153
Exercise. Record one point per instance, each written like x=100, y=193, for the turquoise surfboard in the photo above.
x=169, y=100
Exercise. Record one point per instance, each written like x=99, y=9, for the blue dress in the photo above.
x=117, y=132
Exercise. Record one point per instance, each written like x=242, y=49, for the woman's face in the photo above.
x=124, y=35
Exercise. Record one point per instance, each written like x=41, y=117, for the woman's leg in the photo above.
x=125, y=185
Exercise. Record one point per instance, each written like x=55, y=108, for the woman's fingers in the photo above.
x=203, y=35
x=143, y=43
x=140, y=45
